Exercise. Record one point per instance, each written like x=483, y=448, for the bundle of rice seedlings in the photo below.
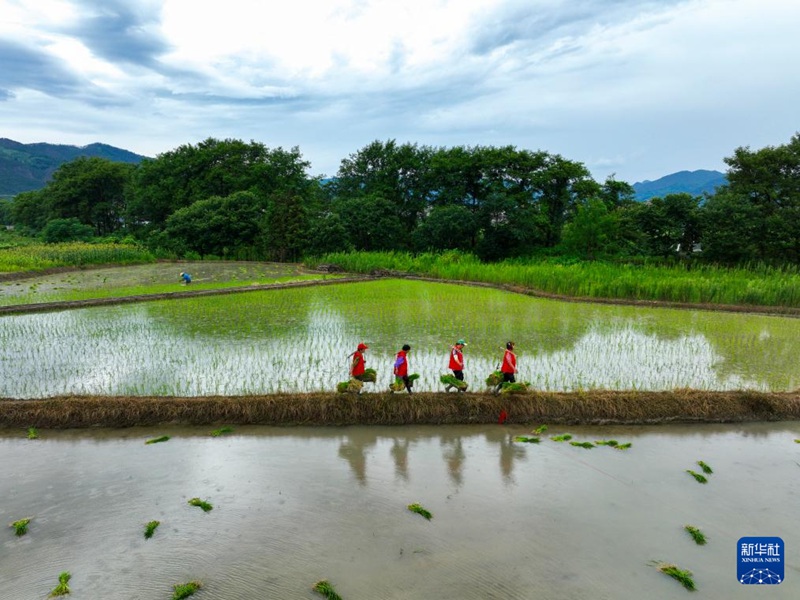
x=582, y=444
x=451, y=380
x=417, y=508
x=526, y=439
x=613, y=443
x=564, y=437
x=150, y=529
x=369, y=376
x=680, y=575
x=157, y=440
x=399, y=385
x=514, y=388
x=221, y=431
x=201, y=504
x=540, y=430
x=706, y=469
x=352, y=386
x=413, y=377
x=494, y=379
x=698, y=477
x=33, y=433
x=696, y=534
x=326, y=589
x=624, y=446
x=62, y=589
x=21, y=526
x=184, y=590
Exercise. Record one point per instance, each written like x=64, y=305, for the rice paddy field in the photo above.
x=299, y=340
x=291, y=507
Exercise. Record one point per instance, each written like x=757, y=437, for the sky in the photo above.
x=635, y=89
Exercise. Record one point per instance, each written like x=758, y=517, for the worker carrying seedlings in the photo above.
x=457, y=362
x=186, y=279
x=358, y=365
x=401, y=366
x=509, y=366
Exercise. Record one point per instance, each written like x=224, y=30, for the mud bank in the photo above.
x=319, y=409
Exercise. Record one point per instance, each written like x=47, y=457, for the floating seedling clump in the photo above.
x=326, y=589
x=221, y=431
x=417, y=508
x=494, y=379
x=582, y=444
x=706, y=469
x=33, y=433
x=540, y=430
x=201, y=504
x=62, y=589
x=21, y=527
x=613, y=444
x=624, y=446
x=699, y=477
x=184, y=590
x=150, y=529
x=527, y=440
x=696, y=534
x=680, y=575
x=451, y=380
x=564, y=437
x=157, y=440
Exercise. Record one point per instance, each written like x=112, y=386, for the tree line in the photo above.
x=239, y=200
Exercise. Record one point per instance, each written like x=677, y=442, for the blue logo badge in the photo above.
x=760, y=560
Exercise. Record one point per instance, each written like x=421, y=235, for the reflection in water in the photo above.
x=400, y=455
x=454, y=457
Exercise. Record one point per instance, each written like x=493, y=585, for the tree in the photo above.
x=327, y=233
x=372, y=223
x=66, y=230
x=671, y=225
x=447, y=228
x=29, y=211
x=592, y=232
x=287, y=223
x=730, y=228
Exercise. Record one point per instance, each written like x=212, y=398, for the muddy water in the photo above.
x=293, y=506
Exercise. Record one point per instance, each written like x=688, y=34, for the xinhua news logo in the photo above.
x=760, y=560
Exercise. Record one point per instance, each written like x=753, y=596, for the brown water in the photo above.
x=294, y=506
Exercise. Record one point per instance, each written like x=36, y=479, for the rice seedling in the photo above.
x=540, y=430
x=706, y=469
x=417, y=508
x=624, y=446
x=221, y=431
x=564, y=437
x=527, y=440
x=696, y=534
x=158, y=440
x=352, y=386
x=582, y=444
x=33, y=433
x=698, y=477
x=370, y=376
x=150, y=529
x=612, y=443
x=451, y=381
x=201, y=504
x=62, y=589
x=184, y=590
x=495, y=379
x=518, y=387
x=325, y=588
x=21, y=527
x=682, y=576
x=797, y=441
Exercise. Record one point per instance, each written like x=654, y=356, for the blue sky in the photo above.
x=635, y=88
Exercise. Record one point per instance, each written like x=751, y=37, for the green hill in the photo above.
x=690, y=182
x=25, y=167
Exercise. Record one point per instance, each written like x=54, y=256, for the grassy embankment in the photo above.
x=700, y=285
x=594, y=406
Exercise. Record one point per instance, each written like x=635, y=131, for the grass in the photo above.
x=184, y=590
x=417, y=508
x=756, y=285
x=564, y=437
x=696, y=534
x=21, y=527
x=38, y=257
x=682, y=576
x=201, y=504
x=150, y=529
x=698, y=477
x=527, y=440
x=33, y=433
x=221, y=431
x=706, y=469
x=325, y=588
x=582, y=444
x=158, y=440
x=62, y=589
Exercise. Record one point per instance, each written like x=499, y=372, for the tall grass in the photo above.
x=38, y=257
x=756, y=285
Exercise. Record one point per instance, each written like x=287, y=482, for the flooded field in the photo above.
x=299, y=340
x=293, y=506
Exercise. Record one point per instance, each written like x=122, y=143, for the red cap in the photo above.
x=362, y=346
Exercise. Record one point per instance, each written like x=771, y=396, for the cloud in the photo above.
x=25, y=66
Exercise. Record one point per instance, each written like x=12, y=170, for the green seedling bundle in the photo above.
x=417, y=508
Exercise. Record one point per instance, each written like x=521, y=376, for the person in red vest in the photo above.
x=509, y=366
x=457, y=361
x=358, y=365
x=401, y=366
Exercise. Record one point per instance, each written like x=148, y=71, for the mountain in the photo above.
x=690, y=182
x=25, y=167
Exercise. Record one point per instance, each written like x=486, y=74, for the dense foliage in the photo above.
x=232, y=199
